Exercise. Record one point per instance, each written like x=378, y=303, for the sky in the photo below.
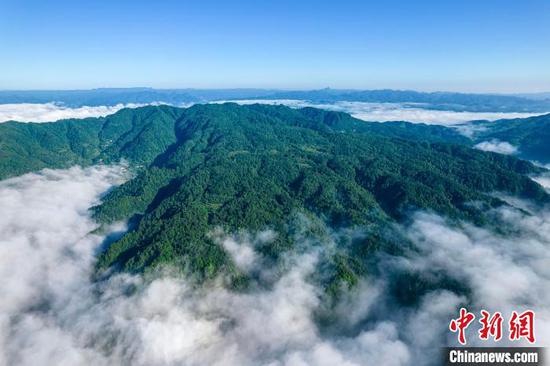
x=470, y=46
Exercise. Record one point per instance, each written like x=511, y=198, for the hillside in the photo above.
x=530, y=135
x=140, y=134
x=136, y=135
x=264, y=167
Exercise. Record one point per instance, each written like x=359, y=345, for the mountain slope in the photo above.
x=138, y=135
x=530, y=135
x=258, y=167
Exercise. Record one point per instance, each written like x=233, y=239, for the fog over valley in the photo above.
x=375, y=112
x=52, y=313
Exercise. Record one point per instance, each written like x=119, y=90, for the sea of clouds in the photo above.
x=51, y=112
x=385, y=112
x=377, y=112
x=51, y=312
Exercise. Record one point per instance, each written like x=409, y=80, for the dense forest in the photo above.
x=530, y=135
x=264, y=167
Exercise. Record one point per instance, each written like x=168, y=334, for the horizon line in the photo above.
x=122, y=88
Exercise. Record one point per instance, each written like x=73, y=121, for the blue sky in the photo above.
x=484, y=45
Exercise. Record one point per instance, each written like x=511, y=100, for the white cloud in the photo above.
x=504, y=273
x=50, y=112
x=543, y=180
x=501, y=147
x=384, y=112
x=51, y=314
x=44, y=256
x=376, y=112
x=242, y=247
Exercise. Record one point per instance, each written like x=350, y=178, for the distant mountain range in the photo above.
x=435, y=100
x=536, y=96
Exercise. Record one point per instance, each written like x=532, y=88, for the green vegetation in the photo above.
x=136, y=135
x=531, y=135
x=267, y=167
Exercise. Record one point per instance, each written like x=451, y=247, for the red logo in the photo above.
x=490, y=325
x=520, y=325
x=461, y=324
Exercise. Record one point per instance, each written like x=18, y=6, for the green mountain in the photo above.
x=530, y=135
x=139, y=135
x=136, y=135
x=266, y=167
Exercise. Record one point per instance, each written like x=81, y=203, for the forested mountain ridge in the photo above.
x=261, y=167
x=142, y=133
x=530, y=135
x=137, y=135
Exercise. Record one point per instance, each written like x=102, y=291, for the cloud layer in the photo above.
x=501, y=147
x=384, y=112
x=52, y=314
x=50, y=112
x=543, y=179
x=378, y=112
x=504, y=272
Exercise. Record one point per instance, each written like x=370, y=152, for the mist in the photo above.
x=373, y=112
x=385, y=112
x=497, y=146
x=51, y=112
x=53, y=314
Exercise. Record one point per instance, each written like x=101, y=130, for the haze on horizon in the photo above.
x=542, y=93
x=467, y=46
